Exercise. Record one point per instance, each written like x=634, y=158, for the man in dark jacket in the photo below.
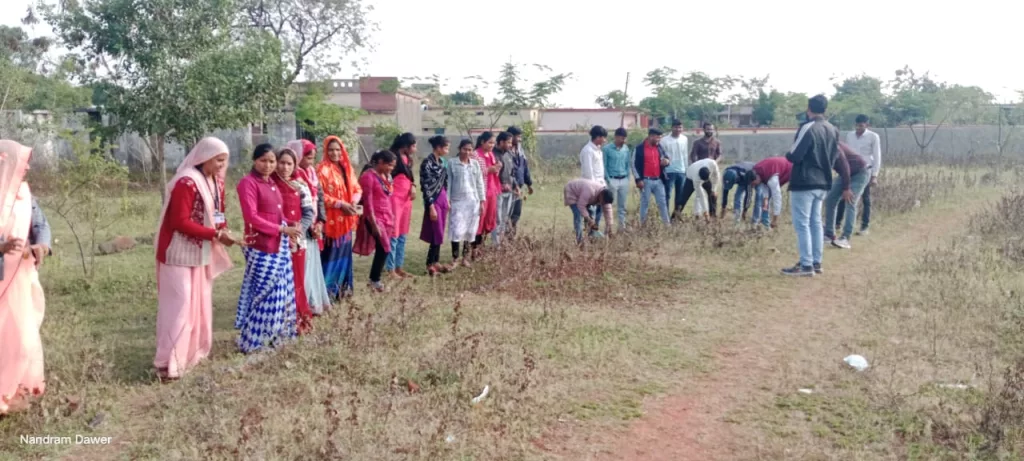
x=813, y=156
x=649, y=162
x=523, y=179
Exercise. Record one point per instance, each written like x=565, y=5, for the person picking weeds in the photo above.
x=580, y=194
x=767, y=178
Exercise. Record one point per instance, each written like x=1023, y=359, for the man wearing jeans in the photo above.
x=649, y=162
x=616, y=172
x=736, y=175
x=592, y=160
x=582, y=194
x=767, y=177
x=813, y=156
x=866, y=143
x=509, y=188
x=676, y=146
x=849, y=191
x=523, y=179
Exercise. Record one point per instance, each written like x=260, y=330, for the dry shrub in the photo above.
x=903, y=191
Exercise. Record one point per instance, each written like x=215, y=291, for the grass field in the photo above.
x=585, y=353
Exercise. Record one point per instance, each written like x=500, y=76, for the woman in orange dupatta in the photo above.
x=22, y=304
x=341, y=194
x=190, y=253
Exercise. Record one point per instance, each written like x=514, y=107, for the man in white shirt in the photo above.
x=676, y=146
x=704, y=178
x=592, y=160
x=866, y=143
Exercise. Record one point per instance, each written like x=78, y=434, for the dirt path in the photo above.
x=693, y=423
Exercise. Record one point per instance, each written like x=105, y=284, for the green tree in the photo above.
x=175, y=69
x=30, y=81
x=321, y=118
x=917, y=100
x=314, y=34
x=615, y=99
x=694, y=96
x=765, y=107
x=466, y=98
x=857, y=95
x=384, y=133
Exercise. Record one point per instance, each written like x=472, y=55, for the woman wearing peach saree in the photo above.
x=190, y=254
x=25, y=244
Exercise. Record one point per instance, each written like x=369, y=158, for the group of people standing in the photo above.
x=661, y=164
x=303, y=222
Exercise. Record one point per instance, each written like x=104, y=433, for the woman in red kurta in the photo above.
x=377, y=225
x=190, y=254
x=297, y=206
x=490, y=167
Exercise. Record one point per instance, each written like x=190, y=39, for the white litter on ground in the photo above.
x=482, y=395
x=858, y=362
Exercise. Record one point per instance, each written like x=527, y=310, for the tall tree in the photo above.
x=315, y=35
x=320, y=118
x=175, y=69
x=857, y=95
x=615, y=99
x=695, y=96
x=916, y=100
x=31, y=81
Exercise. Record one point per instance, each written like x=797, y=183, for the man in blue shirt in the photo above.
x=616, y=172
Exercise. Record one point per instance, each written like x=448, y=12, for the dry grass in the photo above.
x=558, y=334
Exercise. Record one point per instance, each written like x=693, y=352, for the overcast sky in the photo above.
x=801, y=44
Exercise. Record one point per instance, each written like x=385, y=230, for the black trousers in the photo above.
x=379, y=258
x=688, y=190
x=455, y=250
x=433, y=255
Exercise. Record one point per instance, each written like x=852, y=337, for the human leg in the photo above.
x=859, y=183
x=577, y=222
x=801, y=203
x=659, y=198
x=681, y=199
x=815, y=228
x=832, y=199
x=865, y=218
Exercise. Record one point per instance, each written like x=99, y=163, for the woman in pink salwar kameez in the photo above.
x=190, y=253
x=22, y=304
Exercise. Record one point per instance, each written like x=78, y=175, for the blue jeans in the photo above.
x=858, y=183
x=675, y=181
x=620, y=188
x=396, y=258
x=656, y=188
x=810, y=236
x=577, y=222
x=760, y=214
x=865, y=205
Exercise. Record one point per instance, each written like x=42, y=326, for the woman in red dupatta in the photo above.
x=190, y=254
x=341, y=194
x=297, y=205
x=22, y=304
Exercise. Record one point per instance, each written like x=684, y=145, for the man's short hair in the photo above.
x=707, y=124
x=704, y=173
x=862, y=119
x=514, y=131
x=818, y=104
x=654, y=132
x=598, y=131
x=750, y=176
x=676, y=122
x=607, y=196
x=504, y=136
x=621, y=132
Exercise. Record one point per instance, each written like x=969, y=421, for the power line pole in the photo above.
x=625, y=97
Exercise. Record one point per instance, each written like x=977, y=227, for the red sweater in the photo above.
x=185, y=213
x=772, y=166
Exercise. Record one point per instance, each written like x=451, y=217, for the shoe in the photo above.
x=403, y=274
x=817, y=269
x=433, y=270
x=799, y=271
x=841, y=243
x=863, y=232
x=376, y=286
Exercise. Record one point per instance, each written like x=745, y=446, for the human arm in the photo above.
x=775, y=190
x=527, y=179
x=306, y=221
x=587, y=163
x=801, y=145
x=40, y=230
x=321, y=208
x=716, y=151
x=426, y=182
x=607, y=161
x=248, y=196
x=638, y=157
x=876, y=157
x=693, y=152
x=842, y=166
